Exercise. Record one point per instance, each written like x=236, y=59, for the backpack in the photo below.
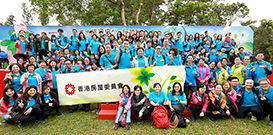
x=179, y=119
x=160, y=117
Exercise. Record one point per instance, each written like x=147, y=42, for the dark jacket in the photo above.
x=38, y=43
x=53, y=96
x=8, y=81
x=17, y=111
x=29, y=46
x=136, y=103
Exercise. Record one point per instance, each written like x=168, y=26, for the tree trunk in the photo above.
x=123, y=13
x=152, y=14
x=137, y=14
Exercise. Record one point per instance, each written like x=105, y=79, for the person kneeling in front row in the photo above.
x=140, y=104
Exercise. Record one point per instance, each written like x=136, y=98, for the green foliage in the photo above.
x=249, y=22
x=205, y=12
x=10, y=20
x=26, y=14
x=263, y=39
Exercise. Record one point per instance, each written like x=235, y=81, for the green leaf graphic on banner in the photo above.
x=6, y=42
x=173, y=77
x=145, y=92
x=10, y=32
x=151, y=89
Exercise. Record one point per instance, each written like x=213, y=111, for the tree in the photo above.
x=205, y=12
x=26, y=14
x=263, y=39
x=249, y=22
x=10, y=20
x=101, y=12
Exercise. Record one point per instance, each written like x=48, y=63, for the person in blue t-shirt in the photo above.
x=174, y=59
x=12, y=79
x=263, y=68
x=158, y=59
x=177, y=98
x=241, y=53
x=268, y=95
x=179, y=43
x=63, y=41
x=93, y=44
x=41, y=70
x=107, y=60
x=123, y=57
x=74, y=42
x=158, y=97
x=249, y=100
x=165, y=48
x=219, y=43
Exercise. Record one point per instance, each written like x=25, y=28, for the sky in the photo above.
x=258, y=10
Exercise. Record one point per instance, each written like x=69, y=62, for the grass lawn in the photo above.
x=88, y=123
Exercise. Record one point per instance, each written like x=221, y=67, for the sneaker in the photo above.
x=2, y=123
x=86, y=110
x=95, y=110
x=70, y=111
x=59, y=114
x=187, y=121
x=211, y=119
x=232, y=117
x=127, y=126
x=253, y=118
x=192, y=119
x=98, y=111
x=116, y=126
x=138, y=120
x=40, y=121
x=270, y=123
x=21, y=125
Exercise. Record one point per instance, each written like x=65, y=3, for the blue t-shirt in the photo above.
x=141, y=61
x=43, y=44
x=94, y=44
x=219, y=45
x=11, y=101
x=32, y=80
x=227, y=99
x=30, y=103
x=46, y=97
x=54, y=73
x=160, y=98
x=105, y=62
x=179, y=44
x=54, y=44
x=16, y=82
x=268, y=94
x=41, y=72
x=160, y=61
x=149, y=52
x=260, y=70
x=62, y=40
x=32, y=51
x=165, y=50
x=82, y=46
x=249, y=99
x=182, y=97
x=124, y=60
x=74, y=45
x=176, y=60
x=23, y=46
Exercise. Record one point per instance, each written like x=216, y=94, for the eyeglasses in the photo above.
x=67, y=63
x=264, y=84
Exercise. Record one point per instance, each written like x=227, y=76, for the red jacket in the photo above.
x=18, y=46
x=194, y=101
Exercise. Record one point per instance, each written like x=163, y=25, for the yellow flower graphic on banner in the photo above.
x=142, y=75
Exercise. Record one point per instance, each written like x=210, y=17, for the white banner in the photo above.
x=105, y=86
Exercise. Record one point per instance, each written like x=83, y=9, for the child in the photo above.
x=212, y=83
x=124, y=106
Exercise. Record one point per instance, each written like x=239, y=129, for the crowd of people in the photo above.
x=217, y=79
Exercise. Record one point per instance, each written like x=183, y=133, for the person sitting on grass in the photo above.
x=49, y=102
x=6, y=103
x=124, y=106
x=26, y=106
x=140, y=104
x=217, y=103
x=199, y=102
x=230, y=98
x=268, y=92
x=249, y=99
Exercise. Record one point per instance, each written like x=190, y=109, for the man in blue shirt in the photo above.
x=107, y=60
x=74, y=42
x=249, y=100
x=178, y=43
x=235, y=85
x=262, y=68
x=241, y=52
x=63, y=41
x=124, y=56
x=158, y=59
x=165, y=49
x=268, y=95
